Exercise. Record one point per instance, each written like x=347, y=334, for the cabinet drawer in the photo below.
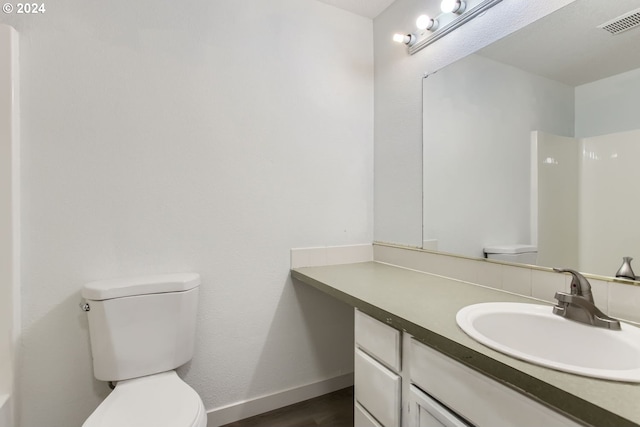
x=361, y=418
x=477, y=398
x=379, y=340
x=377, y=389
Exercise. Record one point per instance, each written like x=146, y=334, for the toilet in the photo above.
x=518, y=253
x=141, y=329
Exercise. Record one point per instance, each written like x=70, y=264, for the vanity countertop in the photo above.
x=425, y=306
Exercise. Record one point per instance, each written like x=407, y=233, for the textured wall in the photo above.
x=398, y=102
x=608, y=105
x=199, y=136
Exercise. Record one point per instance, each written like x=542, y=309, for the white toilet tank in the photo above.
x=518, y=253
x=142, y=325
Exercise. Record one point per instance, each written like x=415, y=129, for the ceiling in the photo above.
x=367, y=8
x=567, y=46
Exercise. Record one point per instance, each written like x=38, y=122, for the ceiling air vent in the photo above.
x=622, y=23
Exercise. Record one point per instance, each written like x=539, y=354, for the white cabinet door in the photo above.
x=377, y=389
x=361, y=418
x=426, y=412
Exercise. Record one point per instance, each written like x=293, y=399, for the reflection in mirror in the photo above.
x=533, y=141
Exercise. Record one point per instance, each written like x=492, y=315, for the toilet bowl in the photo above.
x=154, y=401
x=141, y=330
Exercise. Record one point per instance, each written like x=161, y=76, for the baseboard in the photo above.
x=248, y=408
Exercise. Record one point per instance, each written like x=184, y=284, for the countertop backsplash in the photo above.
x=615, y=297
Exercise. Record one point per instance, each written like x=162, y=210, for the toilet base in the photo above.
x=159, y=400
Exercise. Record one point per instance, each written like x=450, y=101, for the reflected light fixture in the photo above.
x=453, y=6
x=425, y=23
x=408, y=39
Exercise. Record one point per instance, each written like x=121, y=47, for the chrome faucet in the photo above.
x=579, y=305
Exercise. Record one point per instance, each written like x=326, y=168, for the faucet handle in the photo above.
x=625, y=271
x=579, y=284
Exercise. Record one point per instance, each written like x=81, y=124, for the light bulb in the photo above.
x=447, y=6
x=425, y=23
x=408, y=39
x=455, y=6
x=398, y=38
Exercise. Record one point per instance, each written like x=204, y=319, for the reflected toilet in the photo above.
x=516, y=253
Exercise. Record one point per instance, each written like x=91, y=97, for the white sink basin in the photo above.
x=531, y=332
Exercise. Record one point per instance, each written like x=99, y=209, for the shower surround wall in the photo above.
x=201, y=136
x=608, y=123
x=582, y=222
x=609, y=207
x=555, y=197
x=587, y=211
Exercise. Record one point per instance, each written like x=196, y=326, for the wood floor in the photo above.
x=333, y=409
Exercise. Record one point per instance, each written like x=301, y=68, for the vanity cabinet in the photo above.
x=476, y=397
x=438, y=391
x=377, y=373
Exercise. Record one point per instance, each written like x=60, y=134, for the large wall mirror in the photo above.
x=535, y=140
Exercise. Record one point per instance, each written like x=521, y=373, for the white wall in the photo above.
x=608, y=105
x=398, y=100
x=478, y=115
x=200, y=136
x=9, y=218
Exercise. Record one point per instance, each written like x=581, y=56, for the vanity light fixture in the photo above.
x=408, y=39
x=424, y=22
x=453, y=6
x=455, y=13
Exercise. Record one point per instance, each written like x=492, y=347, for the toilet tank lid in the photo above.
x=510, y=249
x=141, y=285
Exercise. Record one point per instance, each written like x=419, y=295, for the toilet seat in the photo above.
x=160, y=400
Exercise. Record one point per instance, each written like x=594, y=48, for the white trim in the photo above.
x=9, y=219
x=259, y=405
x=534, y=189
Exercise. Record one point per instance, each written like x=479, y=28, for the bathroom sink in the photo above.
x=531, y=332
